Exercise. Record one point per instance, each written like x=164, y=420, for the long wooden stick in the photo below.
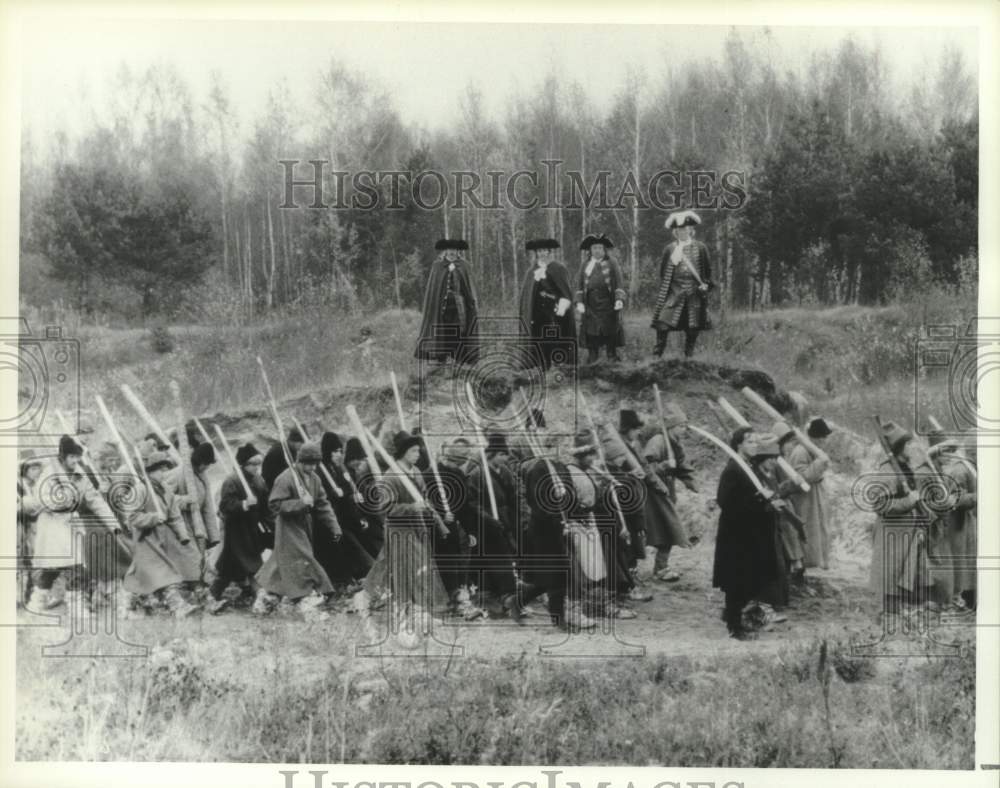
x=744, y=466
x=718, y=415
x=187, y=470
x=232, y=459
x=149, y=488
x=760, y=402
x=671, y=460
x=793, y=474
x=536, y=447
x=734, y=414
x=146, y=416
x=122, y=448
x=437, y=478
x=399, y=401
x=604, y=465
x=404, y=478
x=361, y=431
x=202, y=430
x=299, y=487
x=482, y=451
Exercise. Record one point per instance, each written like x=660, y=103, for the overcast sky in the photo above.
x=67, y=64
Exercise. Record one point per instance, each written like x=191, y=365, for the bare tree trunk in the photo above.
x=272, y=273
x=249, y=268
x=503, y=279
x=633, y=284
x=513, y=256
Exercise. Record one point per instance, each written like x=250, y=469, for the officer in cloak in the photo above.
x=448, y=330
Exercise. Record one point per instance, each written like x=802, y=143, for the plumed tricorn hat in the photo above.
x=682, y=219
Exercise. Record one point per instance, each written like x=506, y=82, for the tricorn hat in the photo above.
x=541, y=243
x=628, y=420
x=818, y=428
x=896, y=436
x=245, y=452
x=590, y=240
x=451, y=243
x=681, y=219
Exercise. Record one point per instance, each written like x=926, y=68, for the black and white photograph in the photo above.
x=389, y=389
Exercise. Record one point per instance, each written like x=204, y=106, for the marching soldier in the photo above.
x=960, y=520
x=28, y=509
x=746, y=561
x=449, y=330
x=599, y=564
x=670, y=465
x=245, y=522
x=275, y=462
x=495, y=553
x=299, y=506
x=546, y=297
x=909, y=540
x=64, y=499
x=158, y=532
x=685, y=281
x=600, y=299
x=812, y=506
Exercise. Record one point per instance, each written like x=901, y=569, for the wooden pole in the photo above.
x=482, y=451
x=399, y=401
x=232, y=458
x=146, y=416
x=362, y=433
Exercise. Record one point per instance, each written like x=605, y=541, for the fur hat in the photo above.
x=454, y=243
x=353, y=450
x=681, y=219
x=590, y=240
x=896, y=436
x=245, y=452
x=310, y=452
x=628, y=420
x=203, y=454
x=329, y=443
x=69, y=446
x=403, y=441
x=156, y=460
x=818, y=428
x=294, y=436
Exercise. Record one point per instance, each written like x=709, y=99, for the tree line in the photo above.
x=857, y=191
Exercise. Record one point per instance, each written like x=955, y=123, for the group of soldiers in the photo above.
x=489, y=525
x=484, y=526
x=548, y=300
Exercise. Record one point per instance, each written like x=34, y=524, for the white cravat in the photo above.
x=678, y=253
x=590, y=267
